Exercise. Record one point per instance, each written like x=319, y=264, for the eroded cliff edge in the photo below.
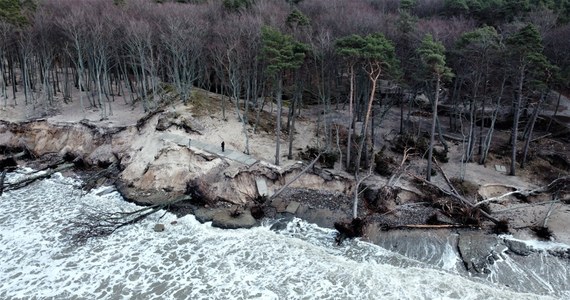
x=157, y=160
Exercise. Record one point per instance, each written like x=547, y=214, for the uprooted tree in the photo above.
x=93, y=223
x=559, y=186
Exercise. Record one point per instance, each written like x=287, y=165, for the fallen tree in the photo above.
x=94, y=223
x=37, y=175
x=454, y=194
x=310, y=165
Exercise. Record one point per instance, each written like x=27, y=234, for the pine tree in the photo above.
x=432, y=55
x=281, y=53
x=10, y=12
x=525, y=50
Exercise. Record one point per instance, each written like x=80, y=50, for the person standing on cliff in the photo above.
x=223, y=146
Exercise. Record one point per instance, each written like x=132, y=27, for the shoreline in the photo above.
x=477, y=249
x=140, y=151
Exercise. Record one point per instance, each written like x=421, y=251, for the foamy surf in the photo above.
x=190, y=260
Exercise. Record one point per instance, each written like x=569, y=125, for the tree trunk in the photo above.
x=452, y=120
x=440, y=135
x=489, y=135
x=351, y=117
x=482, y=126
x=80, y=75
x=143, y=80
x=402, y=115
x=555, y=111
x=371, y=139
x=356, y=193
x=13, y=76
x=259, y=107
x=531, y=128
x=278, y=96
x=433, y=125
x=66, y=86
x=515, y=129
x=374, y=75
x=471, y=137
x=4, y=84
x=338, y=147
x=292, y=130
x=296, y=102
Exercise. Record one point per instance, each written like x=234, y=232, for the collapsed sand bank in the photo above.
x=153, y=166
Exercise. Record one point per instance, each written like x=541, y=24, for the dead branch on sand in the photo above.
x=559, y=184
x=549, y=213
x=401, y=168
x=524, y=206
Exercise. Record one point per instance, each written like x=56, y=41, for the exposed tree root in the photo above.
x=142, y=121
x=349, y=230
x=542, y=232
x=10, y=162
x=452, y=191
x=91, y=182
x=502, y=227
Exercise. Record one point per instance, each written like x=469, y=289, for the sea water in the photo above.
x=190, y=260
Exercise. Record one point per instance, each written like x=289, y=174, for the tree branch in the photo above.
x=560, y=183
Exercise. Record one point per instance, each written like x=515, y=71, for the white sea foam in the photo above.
x=540, y=245
x=190, y=260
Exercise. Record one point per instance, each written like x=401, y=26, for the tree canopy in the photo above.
x=370, y=48
x=432, y=55
x=281, y=51
x=142, y=50
x=11, y=12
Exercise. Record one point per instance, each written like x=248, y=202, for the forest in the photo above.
x=478, y=64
